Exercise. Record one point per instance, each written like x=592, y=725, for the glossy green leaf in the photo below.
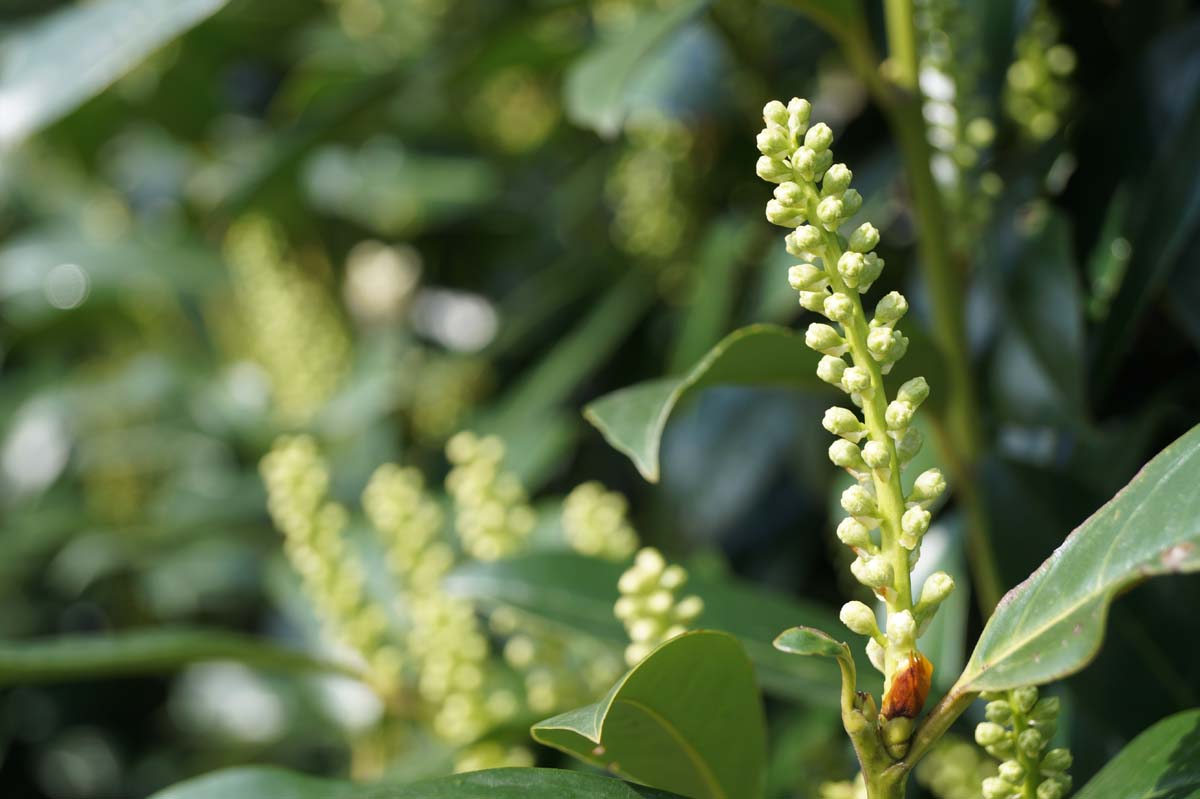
x=73, y=54
x=599, y=85
x=811, y=642
x=632, y=419
x=688, y=718
x=507, y=783
x=578, y=593
x=75, y=657
x=1052, y=624
x=1161, y=763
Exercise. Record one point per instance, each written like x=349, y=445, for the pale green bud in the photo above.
x=1056, y=761
x=891, y=308
x=928, y=486
x=831, y=369
x=851, y=202
x=689, y=608
x=1022, y=698
x=813, y=301
x=804, y=163
x=909, y=445
x=649, y=561
x=818, y=137
x=789, y=193
x=806, y=277
x=1002, y=750
x=882, y=342
x=875, y=454
x=830, y=212
x=997, y=788
x=821, y=162
x=859, y=618
x=856, y=380
x=915, y=522
x=850, y=266
x=989, y=733
x=775, y=113
x=803, y=240
x=864, y=238
x=914, y=391
x=853, y=533
x=784, y=215
x=872, y=572
x=846, y=455
x=998, y=711
x=896, y=735
x=902, y=629
x=1030, y=743
x=843, y=422
x=839, y=307
x=1051, y=790
x=659, y=602
x=872, y=269
x=673, y=577
x=1012, y=771
x=773, y=169
x=1046, y=709
x=898, y=415
x=824, y=339
x=857, y=501
x=937, y=587
x=837, y=180
x=1046, y=728
x=875, y=652
x=773, y=142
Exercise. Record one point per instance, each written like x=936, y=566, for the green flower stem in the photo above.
x=902, y=43
x=889, y=493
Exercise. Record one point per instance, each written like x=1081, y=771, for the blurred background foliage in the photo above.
x=383, y=221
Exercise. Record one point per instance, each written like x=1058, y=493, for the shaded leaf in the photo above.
x=66, y=58
x=1161, y=763
x=1052, y=624
x=687, y=718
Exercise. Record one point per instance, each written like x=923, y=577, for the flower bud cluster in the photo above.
x=954, y=769
x=492, y=754
x=290, y=325
x=1018, y=732
x=1037, y=92
x=409, y=524
x=443, y=391
x=595, y=522
x=297, y=483
x=649, y=606
x=492, y=514
x=648, y=186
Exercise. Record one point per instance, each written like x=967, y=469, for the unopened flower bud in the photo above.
x=853, y=533
x=842, y=422
x=773, y=170
x=989, y=733
x=928, y=486
x=784, y=215
x=837, y=180
x=872, y=269
x=857, y=501
x=813, y=301
x=775, y=113
x=872, y=572
x=850, y=266
x=1056, y=761
x=901, y=629
x=875, y=454
x=1012, y=771
x=1046, y=709
x=831, y=369
x=818, y=137
x=789, y=193
x=803, y=240
x=937, y=587
x=851, y=202
x=804, y=163
x=1022, y=698
x=807, y=277
x=998, y=711
x=824, y=339
x=846, y=455
x=909, y=445
x=898, y=414
x=882, y=343
x=915, y=522
x=876, y=654
x=773, y=142
x=997, y=788
x=914, y=391
x=830, y=212
x=649, y=561
x=859, y=618
x=864, y=238
x=896, y=734
x=1030, y=743
x=856, y=380
x=689, y=608
x=890, y=308
x=1051, y=790
x=839, y=307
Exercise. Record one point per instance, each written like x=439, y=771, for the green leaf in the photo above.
x=68, y=57
x=1161, y=763
x=578, y=593
x=74, y=657
x=688, y=718
x=599, y=85
x=506, y=783
x=836, y=16
x=1052, y=624
x=811, y=642
x=632, y=419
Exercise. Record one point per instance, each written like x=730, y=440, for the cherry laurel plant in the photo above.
x=884, y=524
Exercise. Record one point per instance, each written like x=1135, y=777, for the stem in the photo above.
x=902, y=42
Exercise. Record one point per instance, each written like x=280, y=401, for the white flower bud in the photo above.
x=989, y=733
x=807, y=277
x=901, y=629
x=937, y=587
x=837, y=180
x=821, y=162
x=824, y=339
x=872, y=572
x=1056, y=761
x=909, y=445
x=998, y=711
x=915, y=522
x=773, y=170
x=673, y=577
x=659, y=602
x=857, y=501
x=813, y=301
x=649, y=561
x=876, y=654
x=1052, y=789
x=818, y=137
x=928, y=486
x=773, y=142
x=1030, y=743
x=997, y=788
x=856, y=380
x=872, y=269
x=839, y=307
x=851, y=202
x=775, y=113
x=830, y=212
x=1012, y=771
x=891, y=308
x=804, y=163
x=853, y=533
x=914, y=392
x=859, y=618
x=846, y=455
x=850, y=266
x=784, y=215
x=1023, y=698
x=789, y=193
x=865, y=238
x=689, y=608
x=882, y=342
x=898, y=415
x=831, y=369
x=802, y=241
x=843, y=422
x=799, y=112
x=875, y=454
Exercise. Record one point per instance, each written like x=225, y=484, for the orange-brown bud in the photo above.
x=910, y=687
